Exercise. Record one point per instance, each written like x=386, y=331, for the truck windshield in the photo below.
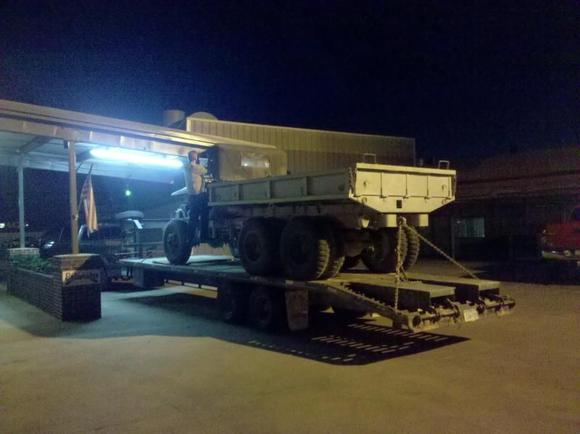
x=240, y=163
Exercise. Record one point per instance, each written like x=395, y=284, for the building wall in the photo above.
x=311, y=150
x=503, y=204
x=498, y=228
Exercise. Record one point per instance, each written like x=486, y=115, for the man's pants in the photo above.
x=198, y=217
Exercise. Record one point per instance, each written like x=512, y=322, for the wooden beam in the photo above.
x=35, y=143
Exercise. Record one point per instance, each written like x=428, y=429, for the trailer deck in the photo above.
x=421, y=302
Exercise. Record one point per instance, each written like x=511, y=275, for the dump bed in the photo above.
x=384, y=188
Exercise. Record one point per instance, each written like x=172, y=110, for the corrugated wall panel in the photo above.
x=310, y=150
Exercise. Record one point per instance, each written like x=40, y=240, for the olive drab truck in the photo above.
x=309, y=226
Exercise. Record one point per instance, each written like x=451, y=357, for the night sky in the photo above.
x=466, y=79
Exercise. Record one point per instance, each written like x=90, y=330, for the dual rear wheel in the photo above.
x=314, y=248
x=263, y=307
x=383, y=253
x=303, y=249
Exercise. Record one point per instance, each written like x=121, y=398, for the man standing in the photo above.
x=198, y=198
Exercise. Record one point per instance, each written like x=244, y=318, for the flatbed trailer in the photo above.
x=419, y=302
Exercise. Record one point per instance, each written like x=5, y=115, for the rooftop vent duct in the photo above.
x=173, y=118
x=204, y=115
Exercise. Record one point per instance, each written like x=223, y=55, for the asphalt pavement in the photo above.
x=162, y=361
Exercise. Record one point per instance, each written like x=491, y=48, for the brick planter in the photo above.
x=71, y=293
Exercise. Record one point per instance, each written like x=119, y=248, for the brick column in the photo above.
x=81, y=278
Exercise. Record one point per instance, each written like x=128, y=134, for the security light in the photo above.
x=136, y=157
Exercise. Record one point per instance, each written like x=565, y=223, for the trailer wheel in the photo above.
x=350, y=262
x=413, y=248
x=258, y=246
x=176, y=242
x=233, y=304
x=304, y=250
x=336, y=249
x=266, y=309
x=348, y=314
x=381, y=257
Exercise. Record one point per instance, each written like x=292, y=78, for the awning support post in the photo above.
x=21, y=224
x=73, y=203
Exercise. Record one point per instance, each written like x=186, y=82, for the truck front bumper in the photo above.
x=562, y=255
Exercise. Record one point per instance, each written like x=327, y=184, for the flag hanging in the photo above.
x=88, y=201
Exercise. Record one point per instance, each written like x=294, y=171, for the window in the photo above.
x=255, y=160
x=470, y=227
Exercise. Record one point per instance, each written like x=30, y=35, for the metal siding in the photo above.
x=310, y=150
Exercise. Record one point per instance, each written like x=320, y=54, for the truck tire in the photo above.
x=266, y=309
x=350, y=262
x=413, y=248
x=381, y=257
x=258, y=247
x=176, y=242
x=233, y=303
x=336, y=249
x=304, y=250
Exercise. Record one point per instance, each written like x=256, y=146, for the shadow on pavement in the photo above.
x=165, y=312
x=358, y=343
x=328, y=339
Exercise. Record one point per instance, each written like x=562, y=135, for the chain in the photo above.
x=399, y=267
x=351, y=180
x=438, y=250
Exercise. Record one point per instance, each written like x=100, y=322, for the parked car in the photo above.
x=561, y=241
x=128, y=236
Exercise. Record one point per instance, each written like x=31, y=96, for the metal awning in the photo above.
x=46, y=138
x=33, y=136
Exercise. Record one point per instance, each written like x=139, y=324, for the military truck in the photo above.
x=308, y=226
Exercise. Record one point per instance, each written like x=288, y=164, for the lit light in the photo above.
x=2, y=225
x=128, y=192
x=136, y=157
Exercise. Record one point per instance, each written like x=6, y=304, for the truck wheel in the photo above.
x=381, y=257
x=233, y=304
x=176, y=242
x=348, y=314
x=304, y=250
x=336, y=249
x=266, y=309
x=258, y=247
x=413, y=248
x=350, y=262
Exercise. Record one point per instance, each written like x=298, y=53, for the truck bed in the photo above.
x=384, y=188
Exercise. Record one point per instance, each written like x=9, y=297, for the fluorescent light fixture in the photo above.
x=137, y=157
